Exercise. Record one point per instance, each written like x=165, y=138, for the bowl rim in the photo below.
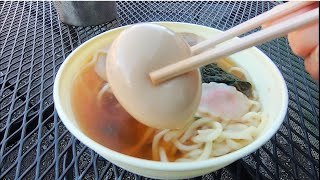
x=168, y=166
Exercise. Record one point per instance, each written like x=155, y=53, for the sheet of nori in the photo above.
x=213, y=73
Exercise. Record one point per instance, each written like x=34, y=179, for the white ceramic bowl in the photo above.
x=266, y=77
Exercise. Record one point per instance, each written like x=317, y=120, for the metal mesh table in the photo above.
x=35, y=143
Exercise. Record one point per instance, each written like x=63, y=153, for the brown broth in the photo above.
x=107, y=122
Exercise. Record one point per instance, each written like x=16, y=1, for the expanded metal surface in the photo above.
x=35, y=143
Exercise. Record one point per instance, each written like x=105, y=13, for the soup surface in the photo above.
x=104, y=119
x=233, y=122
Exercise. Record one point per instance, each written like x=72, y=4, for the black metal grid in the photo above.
x=35, y=143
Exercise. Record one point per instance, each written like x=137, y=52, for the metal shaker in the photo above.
x=85, y=13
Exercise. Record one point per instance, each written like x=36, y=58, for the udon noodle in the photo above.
x=206, y=136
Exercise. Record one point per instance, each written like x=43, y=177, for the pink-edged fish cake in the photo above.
x=221, y=100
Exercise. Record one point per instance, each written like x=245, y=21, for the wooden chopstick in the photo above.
x=255, y=22
x=213, y=55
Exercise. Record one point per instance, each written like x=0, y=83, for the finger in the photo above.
x=298, y=12
x=312, y=63
x=304, y=40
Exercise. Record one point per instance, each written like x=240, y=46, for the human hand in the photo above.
x=305, y=41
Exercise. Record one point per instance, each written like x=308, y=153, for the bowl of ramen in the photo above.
x=243, y=103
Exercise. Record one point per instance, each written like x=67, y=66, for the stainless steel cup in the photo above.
x=86, y=13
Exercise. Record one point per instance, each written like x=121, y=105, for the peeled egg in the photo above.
x=136, y=52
